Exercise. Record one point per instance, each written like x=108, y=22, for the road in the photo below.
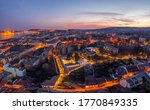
x=1, y=69
x=38, y=46
x=95, y=87
x=61, y=71
x=91, y=88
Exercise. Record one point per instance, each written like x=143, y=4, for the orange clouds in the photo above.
x=86, y=25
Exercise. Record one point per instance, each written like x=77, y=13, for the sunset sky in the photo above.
x=64, y=14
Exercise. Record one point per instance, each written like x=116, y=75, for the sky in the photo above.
x=73, y=14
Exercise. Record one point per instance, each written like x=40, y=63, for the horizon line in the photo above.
x=77, y=28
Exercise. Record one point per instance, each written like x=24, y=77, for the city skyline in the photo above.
x=66, y=14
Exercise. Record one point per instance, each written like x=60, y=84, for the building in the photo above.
x=143, y=66
x=147, y=48
x=110, y=49
x=88, y=69
x=64, y=49
x=15, y=71
x=5, y=76
x=142, y=39
x=118, y=72
x=90, y=80
x=2, y=56
x=135, y=80
x=50, y=83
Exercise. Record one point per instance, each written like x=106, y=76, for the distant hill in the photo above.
x=107, y=30
x=124, y=29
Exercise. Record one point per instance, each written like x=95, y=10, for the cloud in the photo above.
x=141, y=16
x=102, y=13
x=87, y=25
x=147, y=16
x=125, y=20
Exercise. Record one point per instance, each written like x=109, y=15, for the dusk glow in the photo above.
x=64, y=14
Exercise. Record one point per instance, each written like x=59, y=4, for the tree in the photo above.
x=76, y=57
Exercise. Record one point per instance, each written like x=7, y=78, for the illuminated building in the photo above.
x=135, y=80
x=7, y=34
x=15, y=71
